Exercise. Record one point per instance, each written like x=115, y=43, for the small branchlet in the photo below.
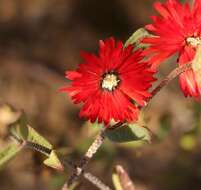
x=176, y=72
x=85, y=160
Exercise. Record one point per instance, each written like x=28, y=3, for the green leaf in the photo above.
x=8, y=153
x=35, y=137
x=54, y=162
x=128, y=133
x=136, y=37
x=19, y=128
x=23, y=132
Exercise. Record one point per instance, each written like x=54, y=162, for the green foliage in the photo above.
x=129, y=133
x=32, y=139
x=53, y=161
x=35, y=137
x=19, y=128
x=22, y=131
x=8, y=153
x=136, y=37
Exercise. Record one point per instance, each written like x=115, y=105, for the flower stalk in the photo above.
x=78, y=170
x=176, y=72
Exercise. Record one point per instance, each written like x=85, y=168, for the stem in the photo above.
x=90, y=177
x=44, y=150
x=97, y=182
x=37, y=147
x=176, y=72
x=78, y=170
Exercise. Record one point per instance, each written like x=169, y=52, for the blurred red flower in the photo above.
x=108, y=84
x=177, y=30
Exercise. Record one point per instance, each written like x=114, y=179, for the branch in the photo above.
x=44, y=150
x=97, y=182
x=90, y=177
x=176, y=72
x=78, y=170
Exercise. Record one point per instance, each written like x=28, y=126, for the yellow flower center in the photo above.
x=110, y=81
x=194, y=41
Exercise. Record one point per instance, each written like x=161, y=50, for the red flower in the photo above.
x=108, y=83
x=176, y=30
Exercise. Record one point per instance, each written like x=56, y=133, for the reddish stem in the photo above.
x=176, y=72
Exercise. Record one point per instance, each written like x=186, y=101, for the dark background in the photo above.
x=39, y=40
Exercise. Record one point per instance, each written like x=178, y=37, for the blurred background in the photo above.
x=39, y=40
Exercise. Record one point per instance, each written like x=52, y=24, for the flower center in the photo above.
x=110, y=81
x=194, y=41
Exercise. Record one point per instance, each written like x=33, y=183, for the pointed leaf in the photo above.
x=128, y=133
x=19, y=128
x=54, y=162
x=35, y=137
x=8, y=153
x=136, y=37
x=23, y=132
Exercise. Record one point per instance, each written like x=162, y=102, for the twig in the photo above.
x=44, y=150
x=37, y=147
x=126, y=182
x=176, y=72
x=172, y=75
x=97, y=182
x=85, y=160
x=90, y=177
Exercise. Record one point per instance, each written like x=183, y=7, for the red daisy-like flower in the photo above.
x=108, y=84
x=177, y=30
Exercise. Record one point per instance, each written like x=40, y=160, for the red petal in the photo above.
x=72, y=75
